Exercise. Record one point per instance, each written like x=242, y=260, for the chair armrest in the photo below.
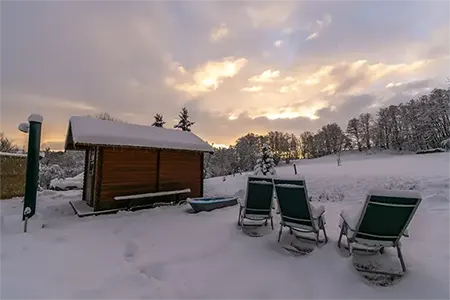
x=349, y=220
x=317, y=212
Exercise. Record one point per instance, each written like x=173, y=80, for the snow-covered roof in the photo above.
x=91, y=131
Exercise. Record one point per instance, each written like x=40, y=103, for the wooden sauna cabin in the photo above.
x=127, y=163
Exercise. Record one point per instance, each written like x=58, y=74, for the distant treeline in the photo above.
x=420, y=124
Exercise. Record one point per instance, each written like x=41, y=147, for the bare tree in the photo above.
x=364, y=121
x=6, y=145
x=307, y=145
x=247, y=151
x=107, y=116
x=354, y=130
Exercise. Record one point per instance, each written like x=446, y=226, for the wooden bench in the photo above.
x=139, y=197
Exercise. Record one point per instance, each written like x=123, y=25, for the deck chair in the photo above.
x=296, y=210
x=257, y=203
x=381, y=222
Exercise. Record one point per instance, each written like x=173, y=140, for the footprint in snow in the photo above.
x=60, y=239
x=131, y=250
x=152, y=270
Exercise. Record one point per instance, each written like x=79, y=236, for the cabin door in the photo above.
x=91, y=163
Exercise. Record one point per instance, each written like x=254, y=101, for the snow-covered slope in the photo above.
x=169, y=253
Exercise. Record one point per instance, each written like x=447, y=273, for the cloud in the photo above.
x=218, y=33
x=312, y=36
x=318, y=27
x=269, y=14
x=266, y=76
x=140, y=58
x=207, y=77
x=324, y=22
x=254, y=88
x=278, y=43
x=287, y=31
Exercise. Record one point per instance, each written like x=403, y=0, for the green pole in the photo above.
x=32, y=173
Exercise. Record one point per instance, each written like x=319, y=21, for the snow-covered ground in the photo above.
x=170, y=253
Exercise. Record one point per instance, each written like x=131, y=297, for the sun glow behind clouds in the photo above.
x=291, y=113
x=207, y=77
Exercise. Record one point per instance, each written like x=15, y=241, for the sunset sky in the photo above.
x=239, y=67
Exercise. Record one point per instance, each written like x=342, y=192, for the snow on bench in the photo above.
x=12, y=154
x=148, y=195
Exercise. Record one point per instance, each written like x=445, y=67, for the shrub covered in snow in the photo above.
x=60, y=165
x=446, y=144
x=70, y=183
x=47, y=173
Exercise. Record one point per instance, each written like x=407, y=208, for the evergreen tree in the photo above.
x=184, y=123
x=158, y=121
x=265, y=165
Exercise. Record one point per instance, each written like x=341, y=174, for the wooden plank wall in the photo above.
x=135, y=171
x=126, y=172
x=180, y=170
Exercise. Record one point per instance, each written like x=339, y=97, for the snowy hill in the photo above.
x=169, y=253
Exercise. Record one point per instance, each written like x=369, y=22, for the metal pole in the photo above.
x=295, y=169
x=32, y=173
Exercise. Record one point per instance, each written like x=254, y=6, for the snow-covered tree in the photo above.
x=159, y=122
x=265, y=164
x=184, y=123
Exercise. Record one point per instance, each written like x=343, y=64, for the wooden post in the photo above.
x=201, y=174
x=98, y=177
x=86, y=156
x=295, y=169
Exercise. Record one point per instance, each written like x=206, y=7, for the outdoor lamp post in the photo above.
x=33, y=128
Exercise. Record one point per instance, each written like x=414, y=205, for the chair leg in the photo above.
x=279, y=233
x=317, y=238
x=265, y=222
x=350, y=248
x=341, y=234
x=400, y=256
x=239, y=216
x=325, y=233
